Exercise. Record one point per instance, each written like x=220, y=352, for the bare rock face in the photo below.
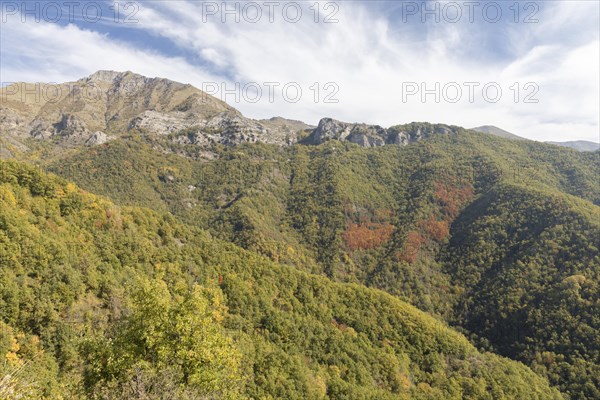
x=104, y=76
x=374, y=135
x=161, y=123
x=97, y=138
x=70, y=125
x=225, y=128
x=330, y=129
x=112, y=103
x=108, y=104
x=12, y=122
x=362, y=134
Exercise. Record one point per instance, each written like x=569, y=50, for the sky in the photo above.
x=531, y=68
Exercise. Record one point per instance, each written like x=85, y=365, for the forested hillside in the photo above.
x=100, y=301
x=164, y=246
x=528, y=261
x=412, y=221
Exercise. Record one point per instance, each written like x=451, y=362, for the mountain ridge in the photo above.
x=496, y=237
x=98, y=108
x=107, y=103
x=579, y=145
x=93, y=109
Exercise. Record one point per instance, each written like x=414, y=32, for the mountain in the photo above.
x=373, y=135
x=107, y=302
x=107, y=104
x=316, y=243
x=579, y=145
x=102, y=106
x=493, y=130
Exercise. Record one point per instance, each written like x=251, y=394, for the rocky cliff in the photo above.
x=98, y=108
x=374, y=135
x=106, y=104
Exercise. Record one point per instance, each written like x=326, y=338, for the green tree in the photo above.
x=170, y=344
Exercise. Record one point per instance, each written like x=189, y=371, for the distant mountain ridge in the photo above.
x=494, y=130
x=579, y=145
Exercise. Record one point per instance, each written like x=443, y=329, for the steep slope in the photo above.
x=106, y=104
x=528, y=261
x=384, y=217
x=69, y=260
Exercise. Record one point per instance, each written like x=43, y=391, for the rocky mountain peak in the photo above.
x=374, y=135
x=107, y=104
x=104, y=76
x=361, y=134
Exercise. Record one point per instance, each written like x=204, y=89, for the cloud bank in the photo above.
x=374, y=62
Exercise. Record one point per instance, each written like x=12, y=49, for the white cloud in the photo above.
x=369, y=55
x=44, y=52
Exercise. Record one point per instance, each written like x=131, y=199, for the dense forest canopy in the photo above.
x=100, y=300
x=461, y=266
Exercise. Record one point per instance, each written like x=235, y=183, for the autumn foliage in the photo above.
x=367, y=235
x=437, y=230
x=452, y=198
